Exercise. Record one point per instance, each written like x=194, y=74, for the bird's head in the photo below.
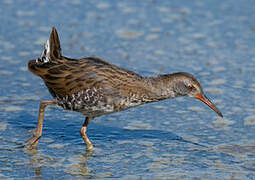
x=186, y=84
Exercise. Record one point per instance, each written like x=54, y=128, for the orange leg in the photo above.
x=84, y=133
x=37, y=133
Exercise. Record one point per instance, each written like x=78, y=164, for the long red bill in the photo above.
x=205, y=100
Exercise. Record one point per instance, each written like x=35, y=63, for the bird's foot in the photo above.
x=86, y=139
x=33, y=140
x=89, y=147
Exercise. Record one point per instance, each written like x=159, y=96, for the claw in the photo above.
x=37, y=133
x=32, y=141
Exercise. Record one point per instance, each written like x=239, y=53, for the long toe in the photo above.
x=33, y=140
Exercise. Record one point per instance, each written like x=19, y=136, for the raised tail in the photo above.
x=52, y=49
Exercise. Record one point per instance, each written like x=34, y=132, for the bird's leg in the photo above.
x=37, y=133
x=84, y=133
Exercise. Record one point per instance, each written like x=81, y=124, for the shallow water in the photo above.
x=172, y=139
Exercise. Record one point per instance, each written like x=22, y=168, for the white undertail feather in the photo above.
x=45, y=57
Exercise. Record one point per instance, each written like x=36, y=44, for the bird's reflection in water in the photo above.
x=35, y=162
x=76, y=165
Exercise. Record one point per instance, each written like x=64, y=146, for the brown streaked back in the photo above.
x=69, y=76
x=65, y=76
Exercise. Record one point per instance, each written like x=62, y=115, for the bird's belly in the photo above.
x=94, y=111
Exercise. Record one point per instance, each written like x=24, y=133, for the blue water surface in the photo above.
x=173, y=139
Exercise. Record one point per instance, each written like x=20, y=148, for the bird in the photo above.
x=95, y=87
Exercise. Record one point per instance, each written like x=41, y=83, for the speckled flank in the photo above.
x=89, y=102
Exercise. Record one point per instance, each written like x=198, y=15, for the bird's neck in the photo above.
x=161, y=87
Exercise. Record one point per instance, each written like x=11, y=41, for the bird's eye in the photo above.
x=191, y=87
